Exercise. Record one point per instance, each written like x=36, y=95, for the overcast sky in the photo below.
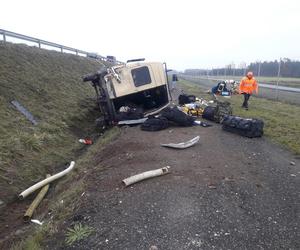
x=183, y=33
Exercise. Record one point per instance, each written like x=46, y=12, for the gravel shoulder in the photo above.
x=226, y=192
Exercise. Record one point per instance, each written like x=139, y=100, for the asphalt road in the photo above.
x=285, y=94
x=226, y=192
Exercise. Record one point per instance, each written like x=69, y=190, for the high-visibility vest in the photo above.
x=248, y=85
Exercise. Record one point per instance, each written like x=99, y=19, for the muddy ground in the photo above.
x=226, y=192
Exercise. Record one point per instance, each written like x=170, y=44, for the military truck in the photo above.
x=135, y=83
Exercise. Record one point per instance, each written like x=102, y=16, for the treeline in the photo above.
x=286, y=68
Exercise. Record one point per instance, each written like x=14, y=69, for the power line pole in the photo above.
x=259, y=65
x=278, y=76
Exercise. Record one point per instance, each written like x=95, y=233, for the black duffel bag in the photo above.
x=155, y=124
x=174, y=115
x=243, y=126
x=209, y=113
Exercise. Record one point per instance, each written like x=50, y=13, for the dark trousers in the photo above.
x=246, y=99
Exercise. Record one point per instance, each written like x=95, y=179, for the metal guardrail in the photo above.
x=261, y=84
x=40, y=42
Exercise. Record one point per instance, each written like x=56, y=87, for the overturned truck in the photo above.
x=138, y=84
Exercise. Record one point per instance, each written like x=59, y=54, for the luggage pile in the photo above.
x=222, y=113
x=191, y=107
x=217, y=113
x=169, y=116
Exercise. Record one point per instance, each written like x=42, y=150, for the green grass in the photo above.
x=282, y=121
x=69, y=190
x=77, y=233
x=49, y=84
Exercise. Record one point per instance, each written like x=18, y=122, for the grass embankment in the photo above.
x=69, y=190
x=282, y=121
x=49, y=84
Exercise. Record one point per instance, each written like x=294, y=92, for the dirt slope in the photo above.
x=227, y=192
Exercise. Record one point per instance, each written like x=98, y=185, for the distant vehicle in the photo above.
x=111, y=59
x=142, y=84
x=92, y=55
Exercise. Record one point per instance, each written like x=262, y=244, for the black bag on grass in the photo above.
x=209, y=113
x=155, y=124
x=178, y=117
x=246, y=127
x=184, y=99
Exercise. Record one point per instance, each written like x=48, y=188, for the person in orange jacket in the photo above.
x=248, y=85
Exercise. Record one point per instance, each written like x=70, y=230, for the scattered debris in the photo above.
x=28, y=214
x=193, y=109
x=131, y=112
x=293, y=175
x=203, y=124
x=217, y=113
x=37, y=222
x=1, y=202
x=146, y=175
x=153, y=248
x=25, y=112
x=228, y=178
x=209, y=113
x=132, y=122
x=178, y=117
x=86, y=141
x=185, y=99
x=292, y=163
x=155, y=124
x=211, y=186
x=182, y=145
x=46, y=181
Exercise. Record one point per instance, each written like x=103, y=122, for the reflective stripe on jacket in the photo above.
x=248, y=85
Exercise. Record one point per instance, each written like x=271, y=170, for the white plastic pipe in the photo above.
x=44, y=182
x=146, y=175
x=182, y=145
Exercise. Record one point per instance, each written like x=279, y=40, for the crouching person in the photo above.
x=220, y=90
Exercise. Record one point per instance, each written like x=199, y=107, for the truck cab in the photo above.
x=136, y=83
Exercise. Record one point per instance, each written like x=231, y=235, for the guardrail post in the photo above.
x=76, y=52
x=4, y=37
x=39, y=43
